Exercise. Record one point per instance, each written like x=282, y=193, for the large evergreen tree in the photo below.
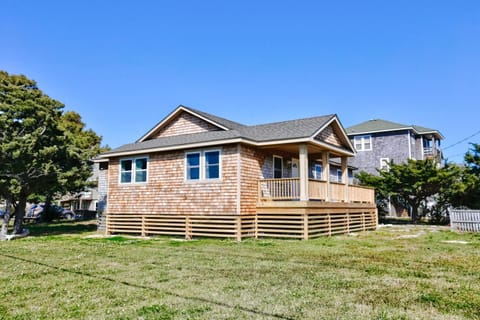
x=42, y=149
x=413, y=183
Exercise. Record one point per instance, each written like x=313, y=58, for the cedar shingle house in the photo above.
x=196, y=174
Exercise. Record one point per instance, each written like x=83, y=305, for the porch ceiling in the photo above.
x=293, y=148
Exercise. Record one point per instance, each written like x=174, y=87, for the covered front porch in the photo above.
x=309, y=176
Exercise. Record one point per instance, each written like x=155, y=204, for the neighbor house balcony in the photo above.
x=290, y=189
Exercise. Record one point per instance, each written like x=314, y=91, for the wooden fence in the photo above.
x=465, y=220
x=267, y=224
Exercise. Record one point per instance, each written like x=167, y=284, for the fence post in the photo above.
x=188, y=235
x=305, y=226
x=239, y=228
x=143, y=225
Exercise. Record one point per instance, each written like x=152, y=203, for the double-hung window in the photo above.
x=363, y=143
x=202, y=165
x=133, y=170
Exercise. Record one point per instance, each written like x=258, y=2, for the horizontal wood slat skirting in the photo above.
x=297, y=222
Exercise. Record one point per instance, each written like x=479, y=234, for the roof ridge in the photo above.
x=292, y=120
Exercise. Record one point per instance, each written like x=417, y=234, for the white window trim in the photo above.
x=132, y=180
x=273, y=166
x=385, y=161
x=203, y=166
x=362, y=140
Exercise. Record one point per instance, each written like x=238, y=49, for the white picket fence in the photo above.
x=465, y=220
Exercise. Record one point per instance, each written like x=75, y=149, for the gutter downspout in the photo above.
x=409, y=145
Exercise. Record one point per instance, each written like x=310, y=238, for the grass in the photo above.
x=61, y=274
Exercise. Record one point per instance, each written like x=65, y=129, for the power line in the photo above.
x=463, y=140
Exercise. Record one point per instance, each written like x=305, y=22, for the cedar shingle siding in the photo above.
x=167, y=192
x=185, y=123
x=328, y=135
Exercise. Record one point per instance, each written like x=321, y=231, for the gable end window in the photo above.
x=363, y=143
x=202, y=165
x=133, y=170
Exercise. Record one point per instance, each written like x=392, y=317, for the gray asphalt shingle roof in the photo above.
x=378, y=125
x=285, y=130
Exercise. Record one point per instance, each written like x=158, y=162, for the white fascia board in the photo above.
x=229, y=141
x=379, y=131
x=329, y=146
x=170, y=148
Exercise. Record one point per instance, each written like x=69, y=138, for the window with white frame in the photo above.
x=202, y=165
x=277, y=167
x=317, y=171
x=134, y=170
x=384, y=164
x=363, y=143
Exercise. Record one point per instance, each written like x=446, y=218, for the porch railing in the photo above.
x=279, y=189
x=289, y=189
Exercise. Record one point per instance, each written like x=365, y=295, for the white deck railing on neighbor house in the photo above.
x=289, y=189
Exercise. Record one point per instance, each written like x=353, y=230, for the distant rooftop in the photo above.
x=380, y=125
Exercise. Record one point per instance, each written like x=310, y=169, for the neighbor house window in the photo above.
x=277, y=167
x=133, y=170
x=317, y=173
x=202, y=165
x=384, y=164
x=363, y=143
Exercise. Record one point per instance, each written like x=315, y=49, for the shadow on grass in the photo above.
x=61, y=228
x=227, y=305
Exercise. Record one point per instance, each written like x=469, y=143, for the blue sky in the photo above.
x=124, y=65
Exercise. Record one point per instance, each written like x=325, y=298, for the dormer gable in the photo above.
x=334, y=134
x=182, y=121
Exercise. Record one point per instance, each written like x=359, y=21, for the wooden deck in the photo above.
x=279, y=219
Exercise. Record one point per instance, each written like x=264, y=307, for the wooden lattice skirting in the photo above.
x=279, y=225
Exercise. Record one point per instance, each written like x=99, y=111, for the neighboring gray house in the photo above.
x=92, y=199
x=378, y=142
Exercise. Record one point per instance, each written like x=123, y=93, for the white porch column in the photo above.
x=345, y=177
x=326, y=172
x=303, y=159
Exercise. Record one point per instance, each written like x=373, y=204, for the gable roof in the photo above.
x=379, y=125
x=219, y=122
x=233, y=132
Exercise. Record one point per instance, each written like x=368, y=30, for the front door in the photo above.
x=295, y=166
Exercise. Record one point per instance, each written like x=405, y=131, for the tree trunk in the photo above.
x=19, y=214
x=47, y=213
x=415, y=214
x=6, y=220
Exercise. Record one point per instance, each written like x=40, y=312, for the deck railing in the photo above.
x=289, y=189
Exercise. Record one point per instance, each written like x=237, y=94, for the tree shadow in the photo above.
x=227, y=305
x=61, y=228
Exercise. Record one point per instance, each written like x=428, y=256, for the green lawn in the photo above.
x=60, y=273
